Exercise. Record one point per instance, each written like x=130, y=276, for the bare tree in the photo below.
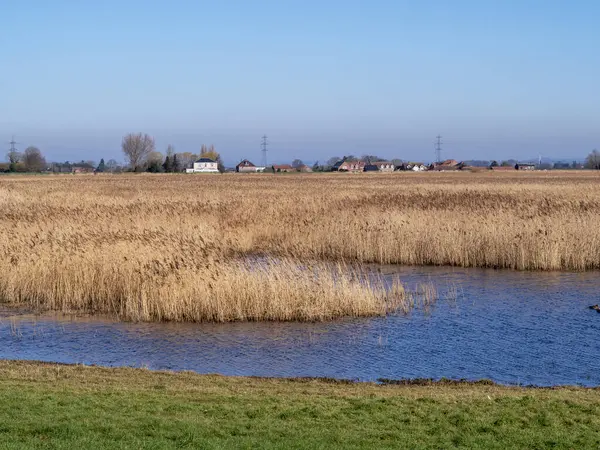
x=331, y=161
x=14, y=157
x=33, y=159
x=593, y=160
x=136, y=148
x=209, y=152
x=297, y=163
x=185, y=159
x=111, y=165
x=155, y=156
x=168, y=165
x=370, y=159
x=154, y=162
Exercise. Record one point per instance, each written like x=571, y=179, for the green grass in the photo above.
x=71, y=407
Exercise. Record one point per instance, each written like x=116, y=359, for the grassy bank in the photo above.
x=167, y=247
x=52, y=406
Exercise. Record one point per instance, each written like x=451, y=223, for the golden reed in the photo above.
x=180, y=247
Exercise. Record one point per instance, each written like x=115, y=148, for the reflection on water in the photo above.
x=511, y=327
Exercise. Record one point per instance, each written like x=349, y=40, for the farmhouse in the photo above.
x=66, y=167
x=352, y=166
x=448, y=165
x=82, y=169
x=304, y=168
x=416, y=167
x=246, y=166
x=282, y=168
x=525, y=166
x=450, y=162
x=204, y=165
x=384, y=166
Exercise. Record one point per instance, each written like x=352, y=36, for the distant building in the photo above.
x=204, y=165
x=352, y=166
x=503, y=168
x=82, y=169
x=384, y=166
x=67, y=167
x=246, y=166
x=416, y=167
x=282, y=168
x=304, y=168
x=447, y=166
x=525, y=166
x=336, y=166
x=450, y=162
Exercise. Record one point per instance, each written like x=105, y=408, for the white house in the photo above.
x=384, y=166
x=204, y=165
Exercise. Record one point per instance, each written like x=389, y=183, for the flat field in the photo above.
x=277, y=247
x=68, y=407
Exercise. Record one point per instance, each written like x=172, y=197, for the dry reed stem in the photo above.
x=166, y=247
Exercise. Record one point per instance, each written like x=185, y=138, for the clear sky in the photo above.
x=497, y=79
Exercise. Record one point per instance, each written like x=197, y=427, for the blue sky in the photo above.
x=497, y=79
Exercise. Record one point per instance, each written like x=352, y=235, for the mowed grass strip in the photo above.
x=57, y=406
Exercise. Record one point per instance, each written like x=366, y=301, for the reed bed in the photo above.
x=176, y=247
x=218, y=292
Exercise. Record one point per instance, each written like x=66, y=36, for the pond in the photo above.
x=510, y=327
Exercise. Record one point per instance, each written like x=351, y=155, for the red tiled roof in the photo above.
x=450, y=162
x=354, y=163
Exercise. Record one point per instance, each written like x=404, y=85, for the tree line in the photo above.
x=140, y=151
x=31, y=160
x=141, y=155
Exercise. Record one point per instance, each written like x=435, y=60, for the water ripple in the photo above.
x=511, y=327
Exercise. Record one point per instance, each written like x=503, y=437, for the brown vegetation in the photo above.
x=175, y=247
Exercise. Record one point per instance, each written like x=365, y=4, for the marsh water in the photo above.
x=510, y=327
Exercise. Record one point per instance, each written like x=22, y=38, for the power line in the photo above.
x=264, y=145
x=438, y=149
